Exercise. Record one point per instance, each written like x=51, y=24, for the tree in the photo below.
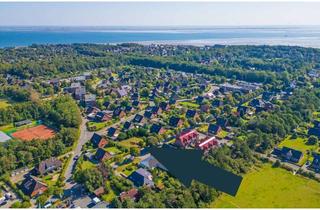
x=312, y=140
x=134, y=151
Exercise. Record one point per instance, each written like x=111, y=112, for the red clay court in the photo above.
x=38, y=132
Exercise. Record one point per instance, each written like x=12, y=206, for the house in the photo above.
x=102, y=155
x=79, y=93
x=111, y=132
x=172, y=101
x=288, y=154
x=137, y=118
x=256, y=103
x=103, y=116
x=99, y=191
x=150, y=163
x=118, y=112
x=186, y=138
x=90, y=100
x=92, y=110
x=204, y=108
x=315, y=131
x=4, y=137
x=121, y=92
x=32, y=187
x=199, y=99
x=135, y=96
x=127, y=125
x=217, y=103
x=175, y=122
x=156, y=128
x=156, y=110
x=214, y=129
x=129, y=109
x=106, y=104
x=98, y=141
x=136, y=104
x=148, y=114
x=132, y=194
x=164, y=106
x=316, y=162
x=23, y=122
x=207, y=143
x=242, y=110
x=141, y=177
x=48, y=166
x=222, y=122
x=191, y=113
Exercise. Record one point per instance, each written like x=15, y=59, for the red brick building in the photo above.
x=187, y=137
x=207, y=143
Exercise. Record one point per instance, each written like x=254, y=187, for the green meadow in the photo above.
x=269, y=187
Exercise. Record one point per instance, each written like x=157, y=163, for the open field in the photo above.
x=39, y=132
x=269, y=187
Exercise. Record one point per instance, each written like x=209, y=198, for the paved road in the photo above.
x=85, y=135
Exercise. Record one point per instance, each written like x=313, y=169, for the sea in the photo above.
x=306, y=36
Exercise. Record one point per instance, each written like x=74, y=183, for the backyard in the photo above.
x=269, y=187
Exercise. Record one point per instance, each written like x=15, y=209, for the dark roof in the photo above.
x=48, y=165
x=117, y=111
x=141, y=177
x=316, y=161
x=31, y=184
x=126, y=125
x=222, y=122
x=191, y=113
x=106, y=104
x=172, y=101
x=100, y=154
x=135, y=103
x=95, y=139
x=214, y=128
x=111, y=131
x=199, y=99
x=163, y=105
x=217, y=103
x=137, y=119
x=23, y=122
x=314, y=131
x=174, y=121
x=147, y=114
x=155, y=128
x=291, y=154
x=155, y=109
x=128, y=108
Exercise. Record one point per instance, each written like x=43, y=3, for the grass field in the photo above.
x=269, y=187
x=299, y=144
x=132, y=142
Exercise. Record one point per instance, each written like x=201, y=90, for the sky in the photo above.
x=159, y=13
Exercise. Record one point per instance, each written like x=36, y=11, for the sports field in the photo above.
x=273, y=188
x=38, y=132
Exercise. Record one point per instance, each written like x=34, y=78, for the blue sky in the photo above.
x=159, y=13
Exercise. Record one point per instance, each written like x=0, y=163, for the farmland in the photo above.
x=272, y=188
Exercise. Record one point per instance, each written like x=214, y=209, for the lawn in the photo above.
x=127, y=169
x=132, y=142
x=189, y=104
x=299, y=144
x=110, y=195
x=87, y=165
x=4, y=103
x=203, y=128
x=113, y=150
x=269, y=187
x=222, y=134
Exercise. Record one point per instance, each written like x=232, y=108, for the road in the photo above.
x=85, y=136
